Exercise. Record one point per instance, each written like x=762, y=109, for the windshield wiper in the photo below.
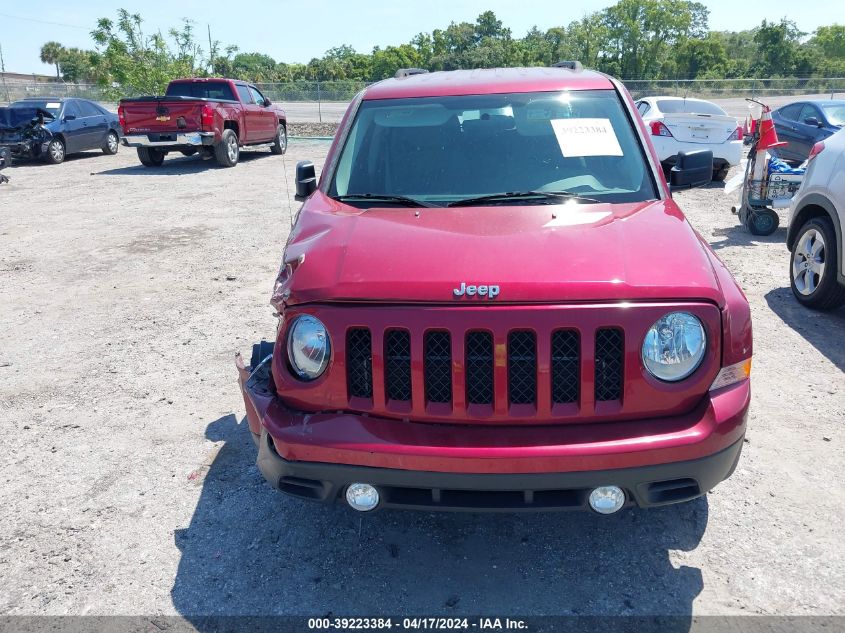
x=408, y=202
x=555, y=196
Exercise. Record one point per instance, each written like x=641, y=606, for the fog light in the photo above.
x=607, y=499
x=362, y=497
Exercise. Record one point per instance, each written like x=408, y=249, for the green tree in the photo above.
x=777, y=48
x=699, y=58
x=79, y=65
x=51, y=53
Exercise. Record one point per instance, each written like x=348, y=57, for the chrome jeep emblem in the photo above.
x=489, y=292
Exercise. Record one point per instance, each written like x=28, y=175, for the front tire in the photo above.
x=55, y=152
x=150, y=157
x=227, y=150
x=112, y=143
x=813, y=265
x=280, y=145
x=719, y=175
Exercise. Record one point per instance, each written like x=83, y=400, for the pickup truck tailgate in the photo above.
x=161, y=115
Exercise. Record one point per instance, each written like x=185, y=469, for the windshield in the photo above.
x=835, y=113
x=215, y=90
x=693, y=106
x=53, y=107
x=19, y=116
x=446, y=149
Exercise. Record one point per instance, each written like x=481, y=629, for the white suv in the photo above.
x=816, y=221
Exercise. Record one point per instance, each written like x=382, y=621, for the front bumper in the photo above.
x=169, y=140
x=474, y=467
x=726, y=153
x=26, y=149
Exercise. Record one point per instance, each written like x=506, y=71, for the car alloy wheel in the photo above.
x=112, y=142
x=57, y=151
x=808, y=264
x=232, y=148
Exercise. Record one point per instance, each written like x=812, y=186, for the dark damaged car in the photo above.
x=51, y=129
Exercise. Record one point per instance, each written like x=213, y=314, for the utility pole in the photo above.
x=3, y=74
x=210, y=51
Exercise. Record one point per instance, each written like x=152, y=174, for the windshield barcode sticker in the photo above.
x=586, y=137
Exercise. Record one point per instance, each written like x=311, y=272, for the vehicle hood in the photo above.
x=544, y=253
x=14, y=119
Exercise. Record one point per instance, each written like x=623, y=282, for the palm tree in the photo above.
x=51, y=52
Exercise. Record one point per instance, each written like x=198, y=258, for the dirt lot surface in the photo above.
x=128, y=477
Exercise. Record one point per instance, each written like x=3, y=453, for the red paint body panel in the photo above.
x=716, y=423
x=488, y=81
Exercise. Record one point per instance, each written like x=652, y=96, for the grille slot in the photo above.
x=397, y=365
x=479, y=368
x=609, y=363
x=359, y=363
x=438, y=366
x=522, y=367
x=566, y=362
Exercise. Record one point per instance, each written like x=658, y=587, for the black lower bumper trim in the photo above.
x=646, y=486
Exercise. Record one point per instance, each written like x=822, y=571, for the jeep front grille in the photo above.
x=359, y=363
x=477, y=368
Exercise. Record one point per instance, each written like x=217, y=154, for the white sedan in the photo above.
x=678, y=124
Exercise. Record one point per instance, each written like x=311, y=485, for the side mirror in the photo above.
x=306, y=179
x=692, y=169
x=811, y=120
x=267, y=102
x=70, y=117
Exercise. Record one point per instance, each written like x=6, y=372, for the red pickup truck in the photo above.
x=214, y=116
x=491, y=301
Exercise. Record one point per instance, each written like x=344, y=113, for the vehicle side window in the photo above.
x=643, y=108
x=809, y=111
x=791, y=111
x=257, y=96
x=243, y=93
x=88, y=109
x=71, y=109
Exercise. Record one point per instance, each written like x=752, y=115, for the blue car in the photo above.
x=805, y=123
x=51, y=129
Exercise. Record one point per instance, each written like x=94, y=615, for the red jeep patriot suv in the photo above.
x=490, y=301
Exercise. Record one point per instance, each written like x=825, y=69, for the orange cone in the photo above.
x=768, y=134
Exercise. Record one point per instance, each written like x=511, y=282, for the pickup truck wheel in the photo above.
x=813, y=264
x=112, y=144
x=227, y=151
x=150, y=157
x=55, y=152
x=280, y=145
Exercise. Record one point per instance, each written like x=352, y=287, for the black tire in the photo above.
x=227, y=150
x=55, y=153
x=150, y=157
x=112, y=143
x=824, y=291
x=280, y=145
x=188, y=152
x=719, y=175
x=762, y=222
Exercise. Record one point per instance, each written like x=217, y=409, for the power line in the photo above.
x=71, y=26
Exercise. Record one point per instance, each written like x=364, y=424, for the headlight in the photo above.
x=674, y=346
x=309, y=347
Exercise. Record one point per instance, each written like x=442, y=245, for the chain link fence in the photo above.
x=325, y=101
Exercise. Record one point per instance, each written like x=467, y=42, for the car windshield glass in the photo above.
x=216, y=90
x=444, y=149
x=835, y=113
x=53, y=107
x=692, y=106
x=15, y=117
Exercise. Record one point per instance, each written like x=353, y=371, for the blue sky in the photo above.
x=299, y=30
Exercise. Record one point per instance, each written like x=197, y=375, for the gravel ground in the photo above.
x=128, y=478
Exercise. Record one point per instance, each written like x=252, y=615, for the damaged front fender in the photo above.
x=257, y=386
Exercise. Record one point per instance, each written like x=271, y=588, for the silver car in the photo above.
x=816, y=221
